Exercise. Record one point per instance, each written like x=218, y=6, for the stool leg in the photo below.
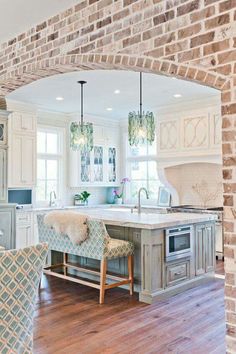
x=65, y=260
x=103, y=271
x=131, y=273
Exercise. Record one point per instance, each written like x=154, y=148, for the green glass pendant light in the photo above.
x=141, y=125
x=81, y=133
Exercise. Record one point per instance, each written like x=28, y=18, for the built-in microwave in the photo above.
x=178, y=242
x=22, y=197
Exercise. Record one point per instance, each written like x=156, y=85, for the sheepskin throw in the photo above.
x=70, y=223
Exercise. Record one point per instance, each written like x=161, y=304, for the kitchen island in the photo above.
x=173, y=252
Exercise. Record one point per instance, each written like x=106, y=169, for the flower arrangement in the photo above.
x=119, y=195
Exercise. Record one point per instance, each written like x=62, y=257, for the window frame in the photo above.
x=59, y=157
x=142, y=158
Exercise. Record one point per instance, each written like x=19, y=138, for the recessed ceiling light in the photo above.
x=109, y=109
x=117, y=92
x=177, y=95
x=59, y=98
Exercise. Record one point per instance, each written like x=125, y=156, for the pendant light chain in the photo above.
x=140, y=96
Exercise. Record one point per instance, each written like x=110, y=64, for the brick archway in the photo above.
x=24, y=75
x=190, y=39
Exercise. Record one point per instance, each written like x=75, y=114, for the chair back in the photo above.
x=20, y=272
x=95, y=246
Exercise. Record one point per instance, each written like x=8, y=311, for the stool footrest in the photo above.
x=102, y=274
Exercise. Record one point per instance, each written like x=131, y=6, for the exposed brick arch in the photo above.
x=191, y=39
x=24, y=75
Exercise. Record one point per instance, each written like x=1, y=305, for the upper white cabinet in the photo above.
x=100, y=167
x=189, y=134
x=3, y=132
x=23, y=123
x=22, y=150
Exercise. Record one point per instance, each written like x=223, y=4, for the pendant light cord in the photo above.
x=140, y=96
x=82, y=102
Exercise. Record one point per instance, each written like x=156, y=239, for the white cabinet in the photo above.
x=100, y=167
x=22, y=156
x=22, y=150
x=3, y=131
x=24, y=229
x=23, y=122
x=3, y=175
x=96, y=168
x=23, y=236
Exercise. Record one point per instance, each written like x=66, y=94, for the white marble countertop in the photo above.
x=123, y=217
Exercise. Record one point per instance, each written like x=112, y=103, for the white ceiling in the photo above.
x=17, y=16
x=99, y=93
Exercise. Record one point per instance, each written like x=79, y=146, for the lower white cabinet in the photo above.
x=24, y=229
x=23, y=236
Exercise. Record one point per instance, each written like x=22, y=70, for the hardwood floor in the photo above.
x=69, y=320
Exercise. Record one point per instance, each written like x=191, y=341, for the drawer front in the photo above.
x=23, y=218
x=176, y=273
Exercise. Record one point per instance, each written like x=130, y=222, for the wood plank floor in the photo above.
x=69, y=321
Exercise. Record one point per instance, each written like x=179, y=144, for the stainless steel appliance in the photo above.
x=178, y=242
x=218, y=211
x=22, y=197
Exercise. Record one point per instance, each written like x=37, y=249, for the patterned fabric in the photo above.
x=98, y=245
x=20, y=272
x=118, y=248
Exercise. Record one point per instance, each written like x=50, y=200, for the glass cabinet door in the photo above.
x=98, y=164
x=85, y=173
x=112, y=164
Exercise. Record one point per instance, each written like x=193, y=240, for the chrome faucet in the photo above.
x=139, y=198
x=53, y=198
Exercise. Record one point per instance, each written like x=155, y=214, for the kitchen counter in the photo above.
x=123, y=217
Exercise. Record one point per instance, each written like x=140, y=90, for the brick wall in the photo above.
x=193, y=39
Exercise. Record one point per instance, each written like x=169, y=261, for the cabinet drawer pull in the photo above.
x=178, y=273
x=1, y=233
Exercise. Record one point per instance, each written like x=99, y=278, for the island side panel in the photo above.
x=152, y=264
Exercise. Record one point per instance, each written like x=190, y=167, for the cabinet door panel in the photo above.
x=23, y=123
x=6, y=230
x=23, y=236
x=3, y=175
x=28, y=160
x=135, y=237
x=118, y=265
x=16, y=161
x=200, y=249
x=22, y=161
x=210, y=248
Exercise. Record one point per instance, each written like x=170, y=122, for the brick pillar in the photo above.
x=229, y=182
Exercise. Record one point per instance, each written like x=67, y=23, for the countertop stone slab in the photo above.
x=123, y=217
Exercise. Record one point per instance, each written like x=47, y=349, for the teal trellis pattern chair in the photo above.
x=99, y=245
x=20, y=272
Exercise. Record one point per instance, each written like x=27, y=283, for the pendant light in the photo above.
x=81, y=133
x=141, y=125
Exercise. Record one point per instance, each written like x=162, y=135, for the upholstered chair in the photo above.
x=20, y=272
x=99, y=245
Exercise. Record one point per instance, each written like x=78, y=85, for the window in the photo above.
x=49, y=163
x=142, y=171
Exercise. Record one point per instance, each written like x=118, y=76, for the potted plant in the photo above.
x=118, y=196
x=82, y=198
